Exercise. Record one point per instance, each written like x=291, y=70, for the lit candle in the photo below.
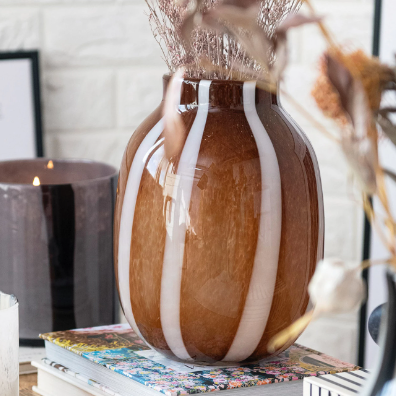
x=56, y=239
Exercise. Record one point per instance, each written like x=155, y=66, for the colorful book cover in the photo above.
x=119, y=349
x=93, y=339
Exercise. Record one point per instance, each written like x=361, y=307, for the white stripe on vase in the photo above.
x=176, y=229
x=262, y=283
x=126, y=221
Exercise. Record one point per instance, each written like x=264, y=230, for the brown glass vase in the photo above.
x=214, y=249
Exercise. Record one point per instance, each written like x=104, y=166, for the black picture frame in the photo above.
x=34, y=59
x=364, y=314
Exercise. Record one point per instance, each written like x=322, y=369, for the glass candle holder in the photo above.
x=56, y=243
x=9, y=345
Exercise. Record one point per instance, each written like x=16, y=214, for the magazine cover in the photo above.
x=96, y=338
x=119, y=349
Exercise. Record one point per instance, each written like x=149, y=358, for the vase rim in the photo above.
x=168, y=76
x=223, y=93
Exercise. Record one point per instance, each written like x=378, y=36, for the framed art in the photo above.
x=20, y=106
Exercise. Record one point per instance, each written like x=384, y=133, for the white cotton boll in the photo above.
x=336, y=287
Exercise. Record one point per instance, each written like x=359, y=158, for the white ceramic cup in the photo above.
x=9, y=345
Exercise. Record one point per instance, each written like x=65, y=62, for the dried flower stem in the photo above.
x=389, y=222
x=325, y=32
x=369, y=159
x=372, y=134
x=374, y=223
x=369, y=263
x=309, y=117
x=291, y=332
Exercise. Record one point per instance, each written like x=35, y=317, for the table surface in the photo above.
x=25, y=384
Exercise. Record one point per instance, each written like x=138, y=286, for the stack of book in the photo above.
x=342, y=384
x=112, y=360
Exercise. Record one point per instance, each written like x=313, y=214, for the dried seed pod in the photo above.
x=336, y=287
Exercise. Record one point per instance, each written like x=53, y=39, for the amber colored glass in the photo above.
x=214, y=249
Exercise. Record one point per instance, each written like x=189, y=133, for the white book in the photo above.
x=341, y=384
x=50, y=382
x=56, y=380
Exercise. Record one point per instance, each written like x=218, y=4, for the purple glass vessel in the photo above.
x=56, y=240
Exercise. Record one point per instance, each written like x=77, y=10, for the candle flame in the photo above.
x=36, y=181
x=50, y=165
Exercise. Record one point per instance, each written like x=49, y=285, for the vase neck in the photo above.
x=222, y=94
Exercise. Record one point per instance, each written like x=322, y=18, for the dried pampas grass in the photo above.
x=227, y=57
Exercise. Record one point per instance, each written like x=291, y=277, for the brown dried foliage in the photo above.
x=373, y=75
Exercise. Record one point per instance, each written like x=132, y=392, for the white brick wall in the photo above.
x=101, y=76
x=75, y=100
x=101, y=70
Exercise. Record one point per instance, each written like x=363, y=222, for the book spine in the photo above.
x=340, y=384
x=80, y=377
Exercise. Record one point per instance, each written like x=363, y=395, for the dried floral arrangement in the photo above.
x=244, y=39
x=207, y=36
x=350, y=90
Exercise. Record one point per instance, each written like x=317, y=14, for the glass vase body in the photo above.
x=214, y=248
